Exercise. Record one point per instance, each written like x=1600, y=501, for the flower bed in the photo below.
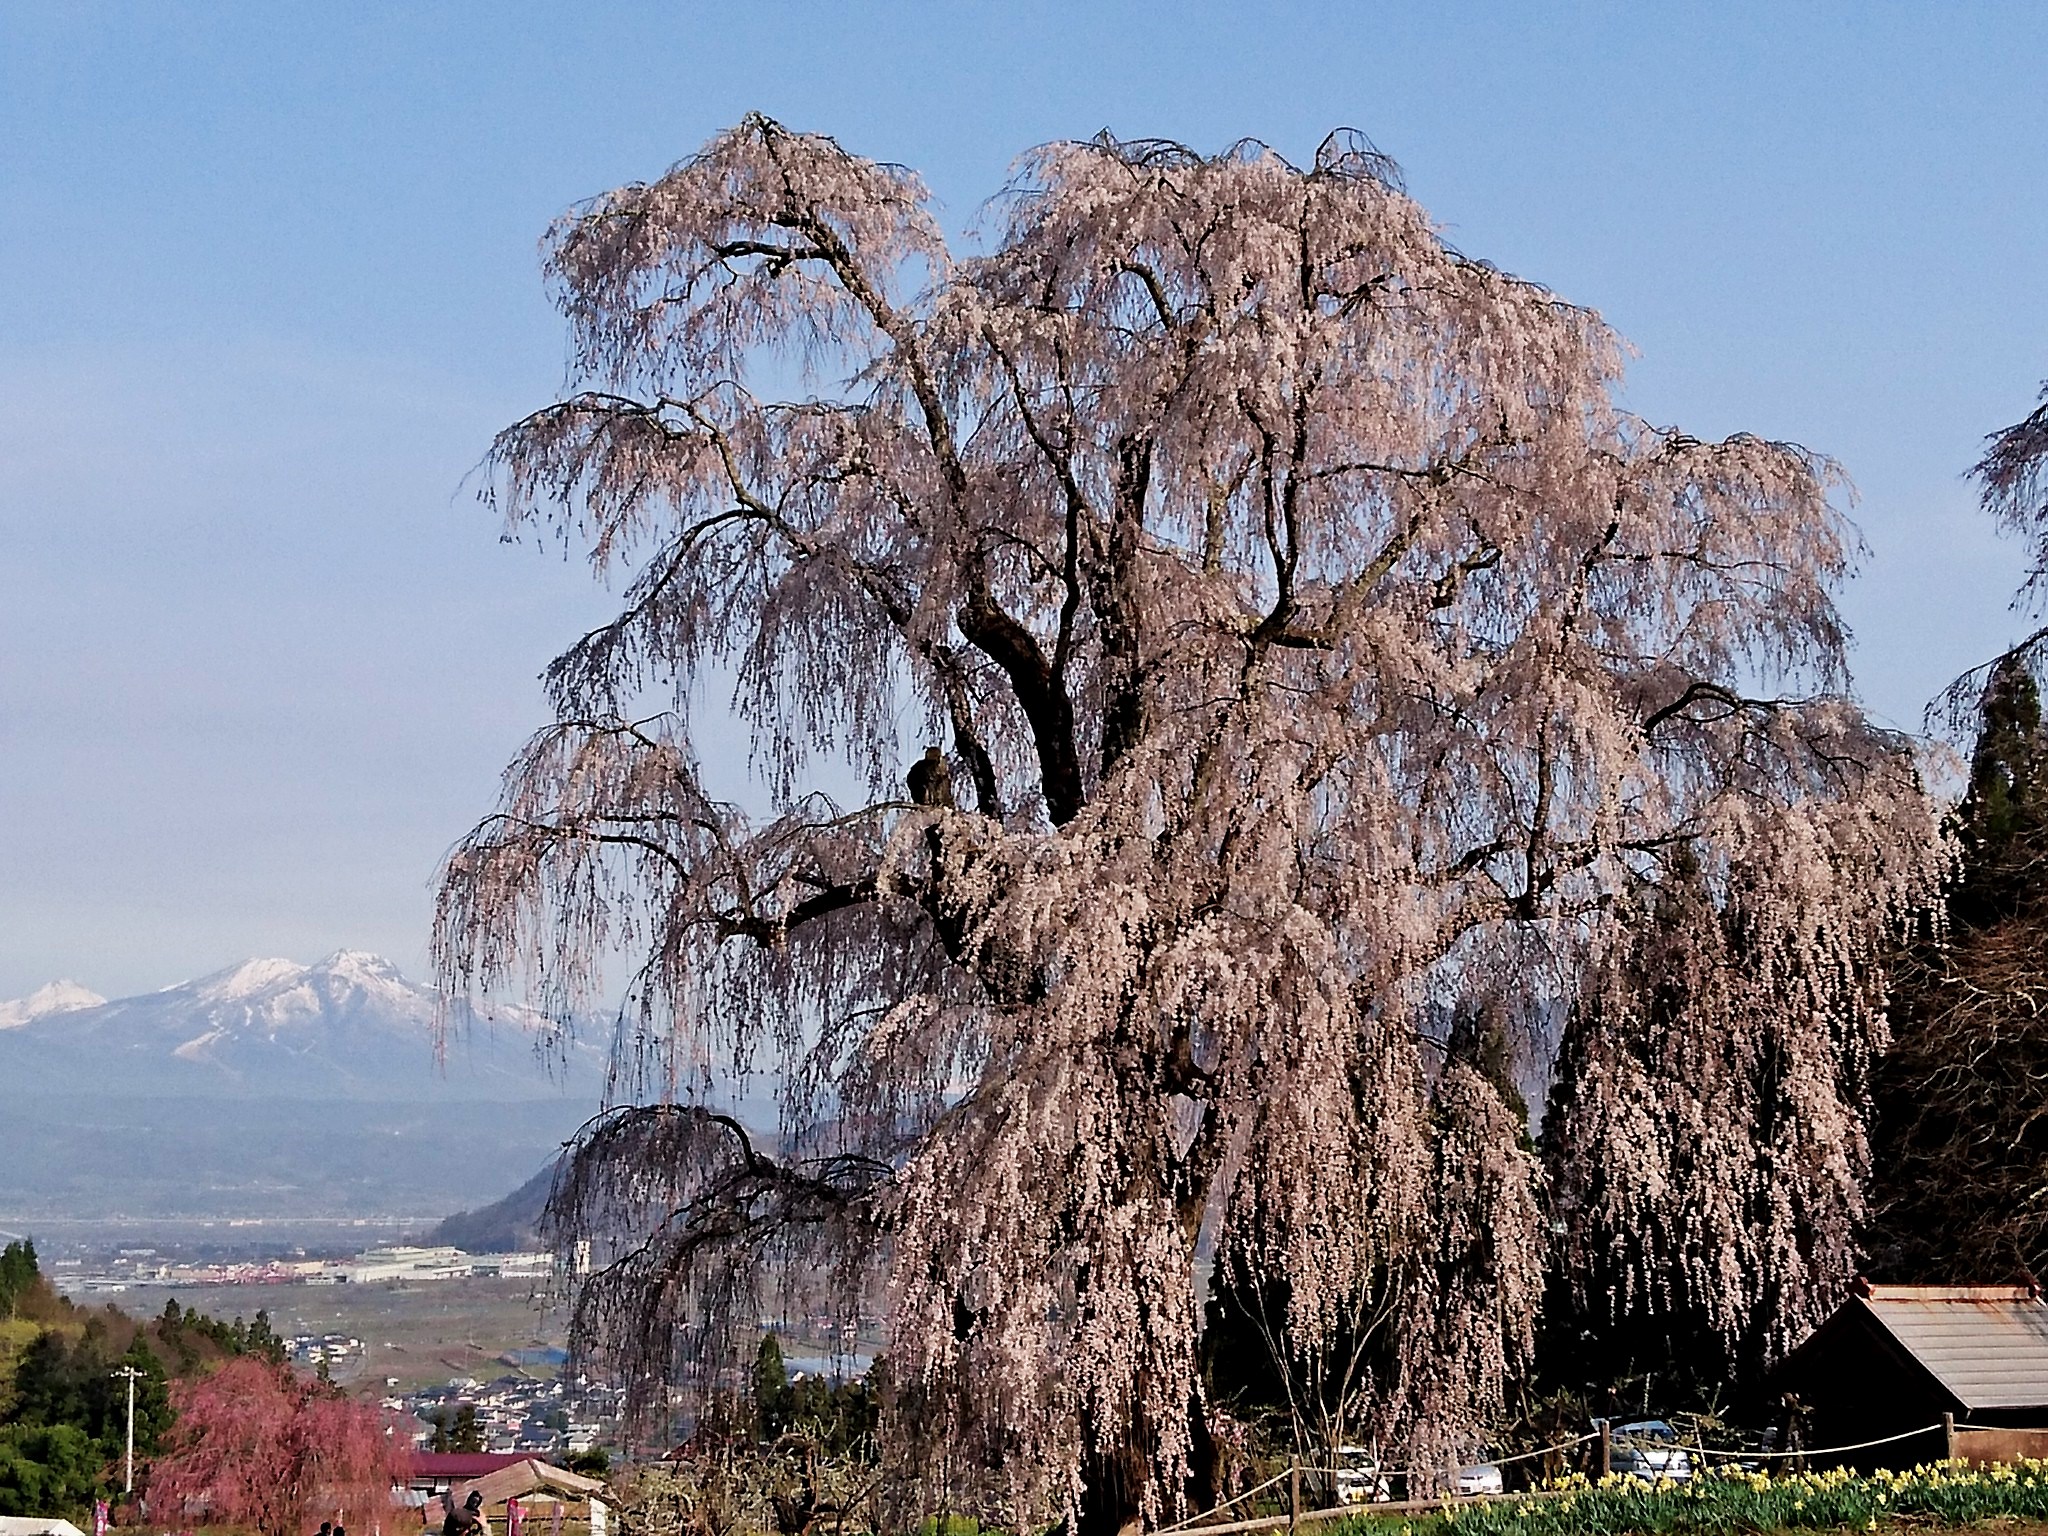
x=1733, y=1501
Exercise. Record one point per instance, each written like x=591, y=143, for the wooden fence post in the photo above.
x=1948, y=1432
x=1293, y=1494
x=1606, y=1448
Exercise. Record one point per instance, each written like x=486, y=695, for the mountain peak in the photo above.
x=57, y=997
x=349, y=1026
x=359, y=965
x=249, y=979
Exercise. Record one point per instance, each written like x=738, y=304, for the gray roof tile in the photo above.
x=1987, y=1344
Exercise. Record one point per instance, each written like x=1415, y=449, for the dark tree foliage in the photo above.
x=771, y=1388
x=18, y=1271
x=838, y=1417
x=49, y=1382
x=67, y=1419
x=456, y=1429
x=193, y=1338
x=1962, y=1138
x=2003, y=824
x=60, y=1382
x=48, y=1469
x=152, y=1397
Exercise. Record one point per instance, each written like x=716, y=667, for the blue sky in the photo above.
x=268, y=283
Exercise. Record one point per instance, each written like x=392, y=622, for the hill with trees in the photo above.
x=63, y=1412
x=510, y=1225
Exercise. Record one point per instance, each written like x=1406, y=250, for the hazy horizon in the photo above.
x=273, y=284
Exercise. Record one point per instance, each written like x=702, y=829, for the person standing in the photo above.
x=467, y=1520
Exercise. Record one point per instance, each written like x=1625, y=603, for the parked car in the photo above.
x=1648, y=1449
x=1476, y=1478
x=1360, y=1478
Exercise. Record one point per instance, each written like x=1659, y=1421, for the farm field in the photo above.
x=422, y=1335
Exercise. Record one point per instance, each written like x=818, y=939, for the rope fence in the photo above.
x=1206, y=1524
x=1193, y=1520
x=1827, y=1450
x=1543, y=1450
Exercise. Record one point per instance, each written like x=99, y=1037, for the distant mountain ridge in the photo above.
x=273, y=1089
x=348, y=1027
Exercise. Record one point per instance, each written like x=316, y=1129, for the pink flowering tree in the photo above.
x=1310, y=651
x=254, y=1445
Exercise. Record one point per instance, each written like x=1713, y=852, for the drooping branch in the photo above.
x=692, y=1216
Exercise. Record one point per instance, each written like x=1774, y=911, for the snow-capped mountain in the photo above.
x=277, y=1089
x=57, y=997
x=349, y=1027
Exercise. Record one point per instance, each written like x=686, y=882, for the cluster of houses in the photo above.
x=314, y=1350
x=520, y=1416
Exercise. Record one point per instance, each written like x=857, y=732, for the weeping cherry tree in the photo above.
x=1311, y=646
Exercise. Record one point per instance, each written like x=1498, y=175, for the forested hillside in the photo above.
x=63, y=1411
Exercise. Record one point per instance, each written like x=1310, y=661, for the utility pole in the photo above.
x=132, y=1376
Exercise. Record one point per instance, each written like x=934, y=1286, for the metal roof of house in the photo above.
x=531, y=1476
x=1987, y=1344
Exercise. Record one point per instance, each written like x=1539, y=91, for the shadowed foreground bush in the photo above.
x=1731, y=1501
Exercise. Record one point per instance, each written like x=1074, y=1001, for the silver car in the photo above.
x=1479, y=1477
x=1360, y=1479
x=1648, y=1449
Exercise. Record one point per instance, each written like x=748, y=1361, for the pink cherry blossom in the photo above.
x=1317, y=646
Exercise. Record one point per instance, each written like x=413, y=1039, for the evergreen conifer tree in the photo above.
x=771, y=1388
